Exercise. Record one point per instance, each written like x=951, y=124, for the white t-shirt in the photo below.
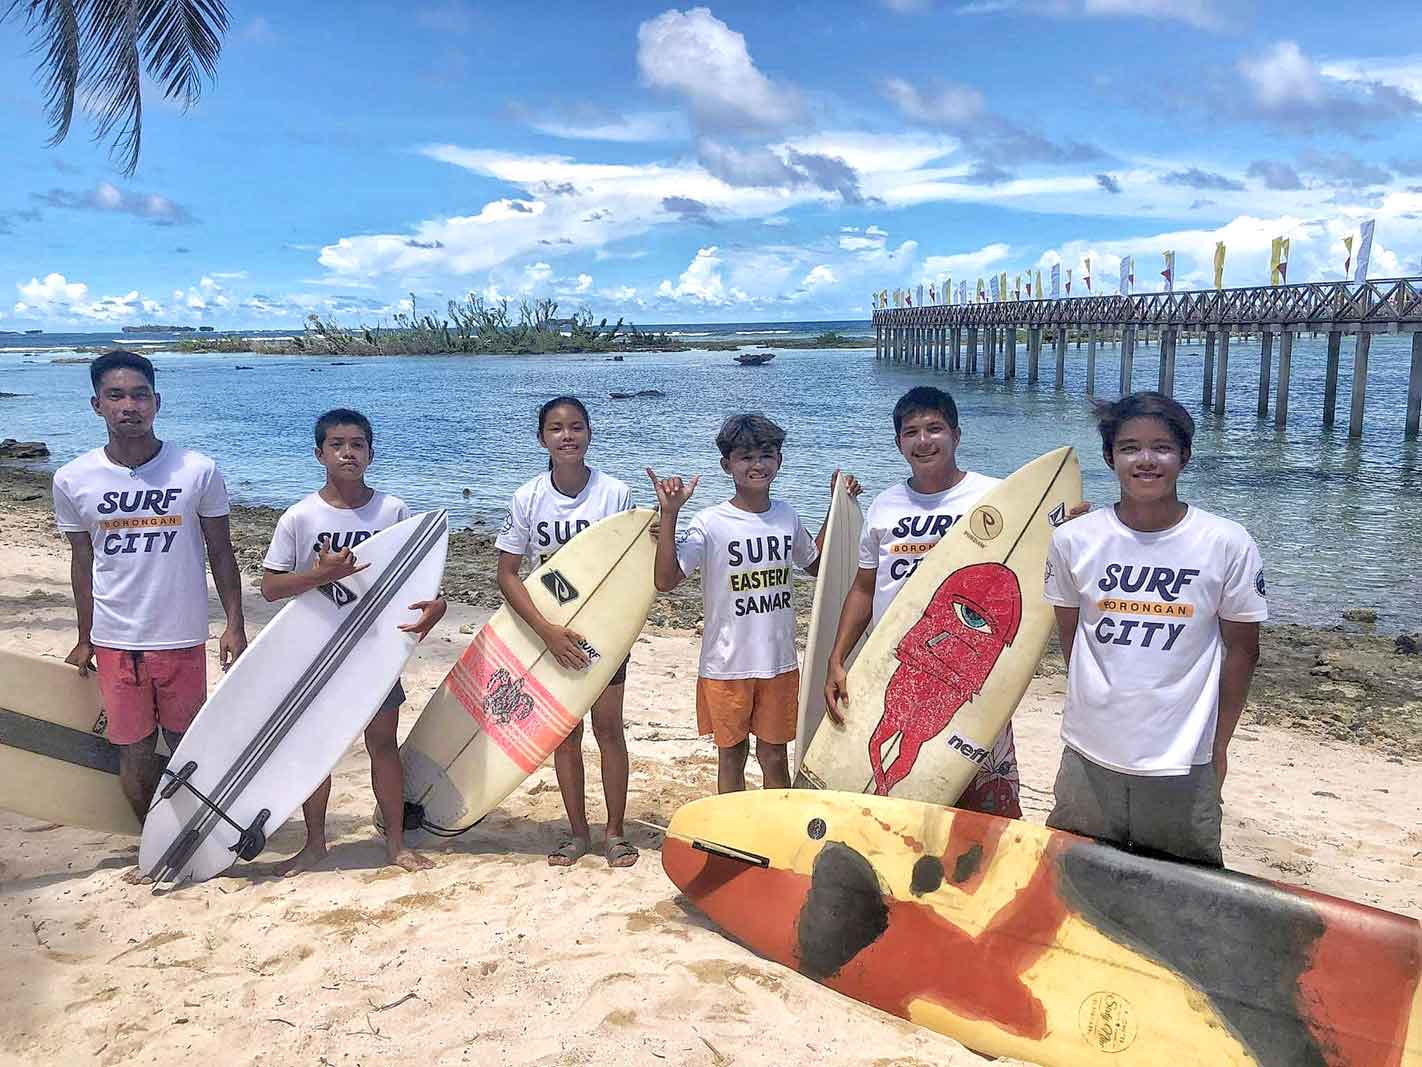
x=312, y=524
x=150, y=580
x=542, y=520
x=746, y=559
x=1143, y=684
x=902, y=526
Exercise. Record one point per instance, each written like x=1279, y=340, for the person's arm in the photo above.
x=81, y=580
x=1241, y=656
x=217, y=532
x=853, y=621
x=561, y=641
x=672, y=493
x=329, y=567
x=1067, y=619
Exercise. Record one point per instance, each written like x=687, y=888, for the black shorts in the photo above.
x=395, y=699
x=620, y=678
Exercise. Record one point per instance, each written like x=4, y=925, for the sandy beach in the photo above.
x=492, y=957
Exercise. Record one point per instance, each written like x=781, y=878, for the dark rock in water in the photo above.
x=343, y=363
x=12, y=449
x=637, y=394
x=243, y=366
x=1408, y=644
x=1364, y=615
x=615, y=359
x=10, y=396
x=73, y=359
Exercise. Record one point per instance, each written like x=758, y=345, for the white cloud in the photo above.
x=636, y=128
x=702, y=283
x=699, y=57
x=1202, y=14
x=821, y=275
x=584, y=284
x=1283, y=76
x=946, y=104
x=55, y=289
x=961, y=264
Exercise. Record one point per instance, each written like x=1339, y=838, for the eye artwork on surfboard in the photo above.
x=939, y=676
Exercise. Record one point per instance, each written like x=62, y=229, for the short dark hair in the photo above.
x=1111, y=415
x=748, y=431
x=343, y=417
x=120, y=359
x=925, y=398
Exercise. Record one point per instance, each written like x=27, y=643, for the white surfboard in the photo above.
x=839, y=563
x=941, y=674
x=507, y=704
x=292, y=704
x=54, y=761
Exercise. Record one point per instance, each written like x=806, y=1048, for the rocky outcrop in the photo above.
x=12, y=449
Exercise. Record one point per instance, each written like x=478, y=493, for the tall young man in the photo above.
x=143, y=516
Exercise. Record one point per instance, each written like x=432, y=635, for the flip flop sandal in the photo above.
x=620, y=852
x=569, y=852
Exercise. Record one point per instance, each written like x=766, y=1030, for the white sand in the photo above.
x=493, y=957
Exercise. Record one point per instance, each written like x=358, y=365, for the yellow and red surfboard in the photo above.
x=1022, y=941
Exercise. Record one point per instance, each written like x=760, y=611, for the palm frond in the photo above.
x=113, y=74
x=56, y=22
x=182, y=40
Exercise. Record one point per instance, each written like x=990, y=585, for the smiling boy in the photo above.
x=1158, y=606
x=747, y=547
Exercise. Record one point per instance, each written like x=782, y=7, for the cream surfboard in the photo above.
x=291, y=706
x=54, y=762
x=942, y=672
x=839, y=562
x=507, y=704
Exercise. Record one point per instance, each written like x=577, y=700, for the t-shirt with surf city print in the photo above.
x=542, y=519
x=746, y=559
x=903, y=525
x=312, y=524
x=150, y=559
x=1144, y=679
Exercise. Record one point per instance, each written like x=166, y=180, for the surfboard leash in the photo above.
x=712, y=847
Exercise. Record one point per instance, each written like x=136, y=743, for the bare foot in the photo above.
x=304, y=860
x=411, y=860
x=569, y=852
x=135, y=876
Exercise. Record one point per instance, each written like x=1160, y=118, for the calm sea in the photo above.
x=1339, y=523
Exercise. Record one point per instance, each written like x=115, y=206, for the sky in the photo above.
x=739, y=162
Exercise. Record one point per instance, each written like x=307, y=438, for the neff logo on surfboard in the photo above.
x=562, y=589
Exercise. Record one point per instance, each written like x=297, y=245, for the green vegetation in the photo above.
x=472, y=326
x=825, y=340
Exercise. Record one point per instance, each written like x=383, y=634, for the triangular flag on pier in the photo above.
x=1068, y=282
x=1219, y=264
x=1169, y=272
x=994, y=289
x=1365, y=251
x=1002, y=284
x=1086, y=273
x=1039, y=285
x=1275, y=250
x=1348, y=262
x=1284, y=261
x=932, y=293
x=1057, y=281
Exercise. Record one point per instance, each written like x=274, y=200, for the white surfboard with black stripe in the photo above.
x=287, y=711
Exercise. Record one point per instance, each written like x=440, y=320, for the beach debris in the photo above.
x=12, y=449
x=1408, y=644
x=1363, y=615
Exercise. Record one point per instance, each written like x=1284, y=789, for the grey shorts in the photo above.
x=395, y=699
x=1176, y=816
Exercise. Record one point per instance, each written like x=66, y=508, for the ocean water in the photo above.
x=1339, y=522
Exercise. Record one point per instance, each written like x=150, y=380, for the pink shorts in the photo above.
x=144, y=690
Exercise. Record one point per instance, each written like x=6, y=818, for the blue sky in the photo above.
x=737, y=162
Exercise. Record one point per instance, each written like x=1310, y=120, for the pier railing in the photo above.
x=934, y=335
x=1374, y=305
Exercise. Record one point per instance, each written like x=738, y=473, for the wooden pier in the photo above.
x=983, y=337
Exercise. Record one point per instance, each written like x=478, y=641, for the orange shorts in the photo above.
x=731, y=709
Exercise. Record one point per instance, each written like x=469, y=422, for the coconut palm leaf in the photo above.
x=100, y=48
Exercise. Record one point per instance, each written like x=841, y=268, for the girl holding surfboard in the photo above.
x=546, y=513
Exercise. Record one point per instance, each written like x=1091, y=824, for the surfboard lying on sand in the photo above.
x=839, y=563
x=54, y=761
x=941, y=674
x=1022, y=941
x=291, y=706
x=507, y=704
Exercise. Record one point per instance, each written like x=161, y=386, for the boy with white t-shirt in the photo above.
x=1158, y=605
x=902, y=525
x=140, y=515
x=749, y=680
x=314, y=544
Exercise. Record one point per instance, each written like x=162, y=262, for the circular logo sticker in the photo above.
x=986, y=522
x=1107, y=1022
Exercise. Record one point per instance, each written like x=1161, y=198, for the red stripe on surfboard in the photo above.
x=526, y=741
